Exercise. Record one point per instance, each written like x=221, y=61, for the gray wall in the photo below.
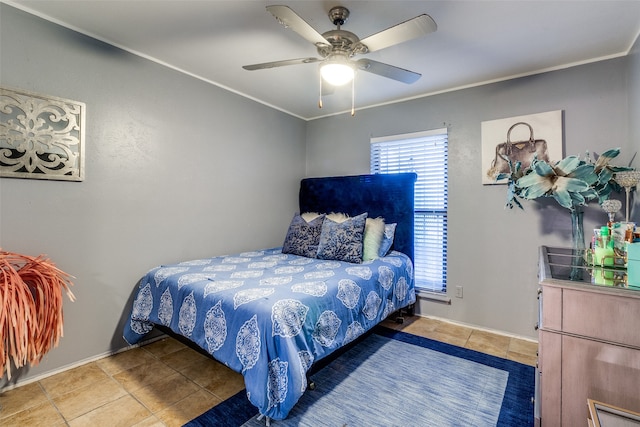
x=492, y=251
x=175, y=169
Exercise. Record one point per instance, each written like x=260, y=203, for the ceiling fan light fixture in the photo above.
x=337, y=72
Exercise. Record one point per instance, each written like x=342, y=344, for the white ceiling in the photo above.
x=476, y=42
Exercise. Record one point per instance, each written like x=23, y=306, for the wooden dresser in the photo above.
x=589, y=343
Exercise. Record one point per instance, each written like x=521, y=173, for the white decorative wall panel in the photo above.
x=41, y=136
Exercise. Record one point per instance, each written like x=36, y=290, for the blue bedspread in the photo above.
x=270, y=315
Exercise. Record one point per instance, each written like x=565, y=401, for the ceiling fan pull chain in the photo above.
x=353, y=96
x=320, y=93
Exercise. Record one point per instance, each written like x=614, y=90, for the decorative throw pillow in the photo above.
x=342, y=241
x=303, y=237
x=387, y=239
x=373, y=233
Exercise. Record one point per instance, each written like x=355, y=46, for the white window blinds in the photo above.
x=426, y=154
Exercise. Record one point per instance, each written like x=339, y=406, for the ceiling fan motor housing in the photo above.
x=341, y=41
x=339, y=15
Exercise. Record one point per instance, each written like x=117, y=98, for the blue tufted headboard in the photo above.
x=382, y=195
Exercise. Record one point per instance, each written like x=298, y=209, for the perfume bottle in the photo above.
x=604, y=254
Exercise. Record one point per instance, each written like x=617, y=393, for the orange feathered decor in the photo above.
x=30, y=308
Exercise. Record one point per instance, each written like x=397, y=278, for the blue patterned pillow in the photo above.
x=303, y=237
x=342, y=241
x=387, y=239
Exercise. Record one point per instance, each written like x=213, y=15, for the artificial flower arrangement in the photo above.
x=572, y=181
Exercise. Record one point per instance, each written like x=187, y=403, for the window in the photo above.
x=424, y=153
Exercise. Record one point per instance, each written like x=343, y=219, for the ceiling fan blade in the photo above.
x=280, y=63
x=386, y=70
x=413, y=28
x=290, y=19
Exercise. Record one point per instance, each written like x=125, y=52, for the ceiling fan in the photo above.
x=337, y=47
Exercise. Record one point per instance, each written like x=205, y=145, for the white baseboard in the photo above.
x=47, y=374
x=481, y=328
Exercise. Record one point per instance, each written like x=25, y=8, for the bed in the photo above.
x=272, y=313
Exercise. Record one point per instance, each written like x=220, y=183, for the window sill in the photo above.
x=433, y=296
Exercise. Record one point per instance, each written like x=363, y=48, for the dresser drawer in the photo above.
x=595, y=370
x=601, y=316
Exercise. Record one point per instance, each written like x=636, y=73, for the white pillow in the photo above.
x=373, y=234
x=310, y=216
x=337, y=217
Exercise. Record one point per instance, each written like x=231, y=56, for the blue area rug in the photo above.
x=396, y=379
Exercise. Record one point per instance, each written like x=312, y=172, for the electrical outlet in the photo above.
x=459, y=291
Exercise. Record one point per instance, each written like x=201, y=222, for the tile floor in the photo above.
x=166, y=383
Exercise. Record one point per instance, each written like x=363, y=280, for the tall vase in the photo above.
x=577, y=236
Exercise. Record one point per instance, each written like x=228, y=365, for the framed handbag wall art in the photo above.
x=520, y=138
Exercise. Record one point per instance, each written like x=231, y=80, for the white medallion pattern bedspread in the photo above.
x=271, y=315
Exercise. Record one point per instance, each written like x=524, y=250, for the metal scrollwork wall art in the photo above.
x=41, y=136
